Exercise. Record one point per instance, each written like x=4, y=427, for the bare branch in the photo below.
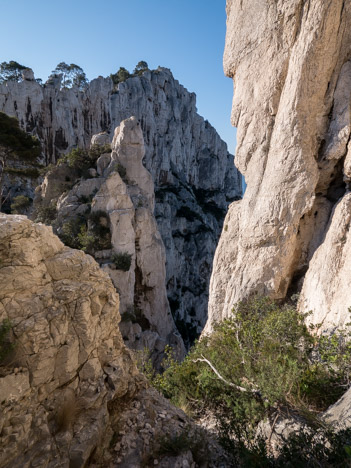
x=237, y=387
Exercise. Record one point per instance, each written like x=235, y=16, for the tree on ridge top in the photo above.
x=11, y=71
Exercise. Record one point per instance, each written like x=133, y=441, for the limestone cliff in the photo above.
x=292, y=78
x=117, y=211
x=70, y=392
x=193, y=172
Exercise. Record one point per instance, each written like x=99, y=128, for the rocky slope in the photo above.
x=292, y=109
x=70, y=392
x=115, y=209
x=191, y=168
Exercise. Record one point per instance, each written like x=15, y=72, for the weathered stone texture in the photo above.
x=68, y=352
x=291, y=106
x=127, y=205
x=193, y=173
x=70, y=394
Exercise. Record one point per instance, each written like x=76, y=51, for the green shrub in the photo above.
x=46, y=214
x=43, y=171
x=20, y=204
x=122, y=260
x=86, y=240
x=80, y=160
x=99, y=225
x=69, y=231
x=97, y=150
x=31, y=172
x=260, y=361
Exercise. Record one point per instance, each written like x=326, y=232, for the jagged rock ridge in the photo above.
x=291, y=106
x=126, y=242
x=192, y=170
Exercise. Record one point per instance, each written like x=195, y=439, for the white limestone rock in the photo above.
x=193, y=173
x=127, y=206
x=292, y=86
x=326, y=289
x=70, y=394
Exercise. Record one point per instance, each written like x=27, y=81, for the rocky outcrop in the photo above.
x=134, y=255
x=193, y=172
x=70, y=392
x=69, y=358
x=291, y=106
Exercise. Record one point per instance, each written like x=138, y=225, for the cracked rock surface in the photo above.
x=193, y=173
x=292, y=77
x=70, y=394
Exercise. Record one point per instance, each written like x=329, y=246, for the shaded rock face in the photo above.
x=70, y=392
x=126, y=208
x=291, y=106
x=69, y=354
x=193, y=172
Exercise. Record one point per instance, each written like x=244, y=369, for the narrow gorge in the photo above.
x=193, y=173
x=151, y=313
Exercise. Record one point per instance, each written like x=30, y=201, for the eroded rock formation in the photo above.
x=292, y=108
x=125, y=207
x=70, y=392
x=192, y=170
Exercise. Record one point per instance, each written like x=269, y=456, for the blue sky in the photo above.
x=186, y=36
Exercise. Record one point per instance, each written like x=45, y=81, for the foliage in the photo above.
x=6, y=347
x=15, y=141
x=86, y=240
x=20, y=204
x=86, y=233
x=121, y=75
x=97, y=150
x=46, y=214
x=99, y=225
x=122, y=260
x=32, y=172
x=11, y=71
x=72, y=75
x=69, y=231
x=324, y=448
x=261, y=360
x=140, y=68
x=81, y=160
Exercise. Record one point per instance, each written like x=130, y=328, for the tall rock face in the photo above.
x=292, y=79
x=193, y=172
x=71, y=395
x=113, y=215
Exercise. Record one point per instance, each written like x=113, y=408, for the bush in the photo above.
x=20, y=204
x=97, y=150
x=46, y=214
x=86, y=240
x=260, y=361
x=99, y=225
x=69, y=231
x=31, y=172
x=122, y=260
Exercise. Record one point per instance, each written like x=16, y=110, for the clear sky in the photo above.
x=186, y=36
